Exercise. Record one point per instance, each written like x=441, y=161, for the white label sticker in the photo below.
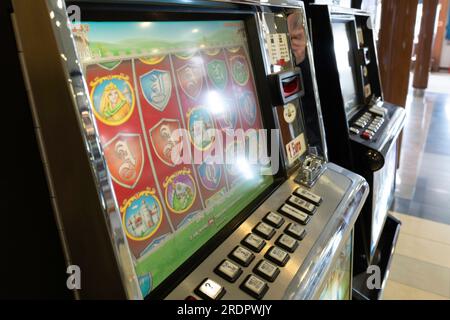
x=296, y=148
x=290, y=113
x=278, y=48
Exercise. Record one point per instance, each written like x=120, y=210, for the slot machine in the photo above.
x=362, y=129
x=140, y=105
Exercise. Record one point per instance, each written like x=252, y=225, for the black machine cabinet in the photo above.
x=361, y=128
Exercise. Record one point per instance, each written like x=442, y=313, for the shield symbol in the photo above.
x=190, y=77
x=124, y=156
x=217, y=73
x=161, y=136
x=156, y=87
x=239, y=70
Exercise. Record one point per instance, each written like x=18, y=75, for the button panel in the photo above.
x=299, y=207
x=369, y=123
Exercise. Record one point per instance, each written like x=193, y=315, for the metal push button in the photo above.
x=210, y=290
x=229, y=271
x=242, y=256
x=296, y=231
x=278, y=256
x=302, y=205
x=255, y=287
x=267, y=270
x=295, y=214
x=287, y=242
x=264, y=230
x=308, y=196
x=274, y=219
x=254, y=242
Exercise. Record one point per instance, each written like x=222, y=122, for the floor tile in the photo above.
x=426, y=211
x=420, y=274
x=424, y=250
x=424, y=228
x=398, y=291
x=401, y=205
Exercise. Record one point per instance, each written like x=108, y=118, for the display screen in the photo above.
x=338, y=285
x=346, y=67
x=147, y=81
x=383, y=195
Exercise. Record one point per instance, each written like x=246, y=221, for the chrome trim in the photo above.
x=266, y=3
x=309, y=47
x=396, y=124
x=77, y=84
x=307, y=281
x=56, y=18
x=391, y=254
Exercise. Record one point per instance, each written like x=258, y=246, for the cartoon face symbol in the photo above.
x=113, y=100
x=113, y=96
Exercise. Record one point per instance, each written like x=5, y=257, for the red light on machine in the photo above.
x=286, y=86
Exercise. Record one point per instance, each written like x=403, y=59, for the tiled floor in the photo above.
x=421, y=264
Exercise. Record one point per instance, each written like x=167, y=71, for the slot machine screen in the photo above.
x=346, y=66
x=148, y=80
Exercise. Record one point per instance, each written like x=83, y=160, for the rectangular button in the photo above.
x=267, y=270
x=302, y=205
x=229, y=271
x=287, y=242
x=296, y=230
x=264, y=230
x=295, y=214
x=254, y=242
x=274, y=219
x=211, y=290
x=242, y=255
x=278, y=256
x=308, y=196
x=254, y=286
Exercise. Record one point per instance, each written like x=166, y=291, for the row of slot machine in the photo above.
x=212, y=149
